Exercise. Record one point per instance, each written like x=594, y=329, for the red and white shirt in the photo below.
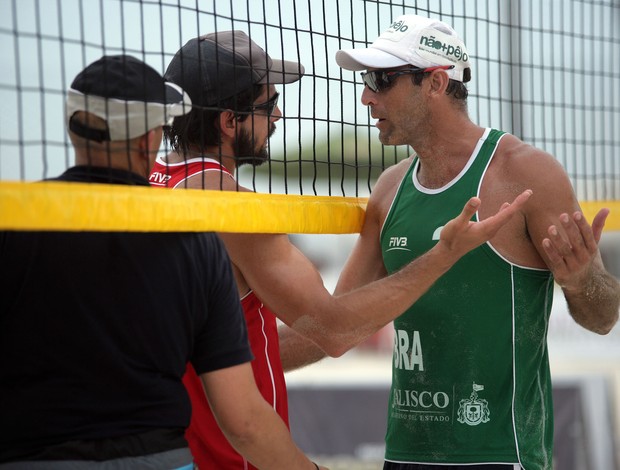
x=173, y=175
x=209, y=446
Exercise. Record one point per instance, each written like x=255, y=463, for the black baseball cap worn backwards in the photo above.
x=220, y=65
x=128, y=94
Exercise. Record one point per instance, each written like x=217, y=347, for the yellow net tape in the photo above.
x=590, y=208
x=77, y=206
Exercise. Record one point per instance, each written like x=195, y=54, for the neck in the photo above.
x=215, y=153
x=128, y=161
x=444, y=154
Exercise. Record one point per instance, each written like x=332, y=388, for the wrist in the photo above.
x=443, y=256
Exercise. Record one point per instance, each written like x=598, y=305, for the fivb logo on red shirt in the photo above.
x=159, y=179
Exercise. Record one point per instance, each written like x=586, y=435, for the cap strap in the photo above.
x=98, y=135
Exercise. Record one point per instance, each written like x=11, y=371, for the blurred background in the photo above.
x=547, y=71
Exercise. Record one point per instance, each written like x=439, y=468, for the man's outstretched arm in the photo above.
x=364, y=310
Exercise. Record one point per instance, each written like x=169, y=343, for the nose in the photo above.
x=369, y=97
x=277, y=114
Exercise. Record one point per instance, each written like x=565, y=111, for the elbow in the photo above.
x=603, y=327
x=610, y=322
x=606, y=327
x=598, y=317
x=333, y=337
x=334, y=345
x=335, y=350
x=242, y=436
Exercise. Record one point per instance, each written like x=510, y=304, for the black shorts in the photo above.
x=421, y=466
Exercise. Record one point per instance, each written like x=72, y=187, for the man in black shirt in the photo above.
x=96, y=328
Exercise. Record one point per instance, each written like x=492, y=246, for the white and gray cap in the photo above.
x=412, y=40
x=128, y=94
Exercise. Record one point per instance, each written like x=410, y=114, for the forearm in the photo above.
x=364, y=311
x=267, y=444
x=250, y=424
x=297, y=351
x=596, y=304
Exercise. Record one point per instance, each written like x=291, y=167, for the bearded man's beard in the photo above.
x=246, y=152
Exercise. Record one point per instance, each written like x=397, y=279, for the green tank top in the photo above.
x=470, y=375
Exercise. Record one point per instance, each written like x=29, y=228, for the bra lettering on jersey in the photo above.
x=408, y=351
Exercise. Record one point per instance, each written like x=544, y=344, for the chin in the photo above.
x=385, y=139
x=253, y=161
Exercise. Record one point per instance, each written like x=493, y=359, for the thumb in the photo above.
x=599, y=223
x=469, y=210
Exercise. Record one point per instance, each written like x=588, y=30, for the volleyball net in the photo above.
x=548, y=72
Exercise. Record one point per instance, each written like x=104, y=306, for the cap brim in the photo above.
x=177, y=100
x=128, y=119
x=371, y=58
x=283, y=71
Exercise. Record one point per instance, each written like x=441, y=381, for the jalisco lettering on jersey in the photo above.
x=425, y=399
x=429, y=405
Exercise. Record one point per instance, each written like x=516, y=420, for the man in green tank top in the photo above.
x=471, y=385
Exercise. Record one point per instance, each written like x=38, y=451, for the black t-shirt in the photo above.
x=96, y=329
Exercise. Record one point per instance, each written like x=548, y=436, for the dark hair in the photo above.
x=198, y=126
x=456, y=89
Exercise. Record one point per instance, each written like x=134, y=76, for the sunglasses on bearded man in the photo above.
x=268, y=106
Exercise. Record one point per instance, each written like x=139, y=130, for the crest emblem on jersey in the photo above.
x=473, y=411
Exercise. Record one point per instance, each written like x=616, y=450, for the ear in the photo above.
x=227, y=123
x=438, y=81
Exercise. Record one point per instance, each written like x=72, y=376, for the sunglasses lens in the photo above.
x=376, y=80
x=273, y=104
x=268, y=107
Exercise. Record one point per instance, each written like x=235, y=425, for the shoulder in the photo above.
x=518, y=166
x=214, y=180
x=525, y=159
x=385, y=189
x=388, y=181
